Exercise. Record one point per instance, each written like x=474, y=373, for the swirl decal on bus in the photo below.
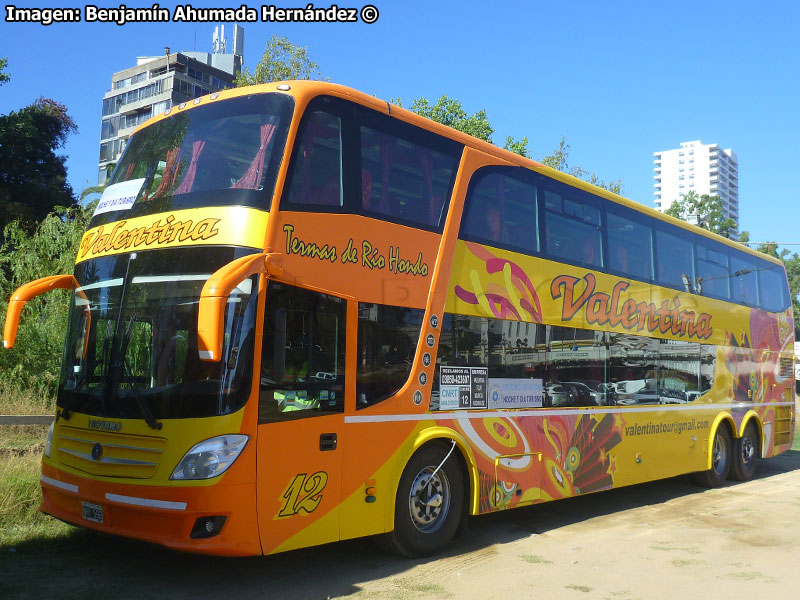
x=507, y=301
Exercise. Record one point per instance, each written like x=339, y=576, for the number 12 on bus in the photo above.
x=301, y=314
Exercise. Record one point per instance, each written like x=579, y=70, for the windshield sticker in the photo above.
x=462, y=387
x=119, y=196
x=515, y=393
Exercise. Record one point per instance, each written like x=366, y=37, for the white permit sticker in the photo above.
x=119, y=196
x=515, y=393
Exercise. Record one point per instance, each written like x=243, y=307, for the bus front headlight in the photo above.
x=210, y=458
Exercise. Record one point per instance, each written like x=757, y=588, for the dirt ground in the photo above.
x=667, y=539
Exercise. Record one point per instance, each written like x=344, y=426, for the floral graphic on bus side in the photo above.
x=514, y=298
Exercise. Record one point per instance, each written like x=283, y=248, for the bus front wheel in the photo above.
x=720, y=460
x=430, y=499
x=745, y=453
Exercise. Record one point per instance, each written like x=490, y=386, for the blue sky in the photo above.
x=620, y=79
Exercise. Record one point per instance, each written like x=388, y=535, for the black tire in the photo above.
x=427, y=513
x=720, y=460
x=745, y=453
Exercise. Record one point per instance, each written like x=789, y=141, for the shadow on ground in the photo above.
x=86, y=565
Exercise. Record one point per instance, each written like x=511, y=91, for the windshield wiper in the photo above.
x=144, y=408
x=121, y=365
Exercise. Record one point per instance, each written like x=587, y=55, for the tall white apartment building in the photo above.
x=702, y=168
x=157, y=83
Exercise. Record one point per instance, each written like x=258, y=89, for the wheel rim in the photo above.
x=429, y=500
x=720, y=455
x=748, y=450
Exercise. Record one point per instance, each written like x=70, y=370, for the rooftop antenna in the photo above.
x=215, y=41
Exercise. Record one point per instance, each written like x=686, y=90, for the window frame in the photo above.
x=517, y=174
x=353, y=117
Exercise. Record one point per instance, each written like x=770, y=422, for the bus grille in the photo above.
x=786, y=369
x=118, y=455
x=783, y=425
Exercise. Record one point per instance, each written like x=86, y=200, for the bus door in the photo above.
x=300, y=416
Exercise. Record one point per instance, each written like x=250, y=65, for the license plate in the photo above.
x=92, y=512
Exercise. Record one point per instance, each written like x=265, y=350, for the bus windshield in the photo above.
x=222, y=153
x=131, y=349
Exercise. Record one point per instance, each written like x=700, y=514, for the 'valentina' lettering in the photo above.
x=604, y=309
x=163, y=231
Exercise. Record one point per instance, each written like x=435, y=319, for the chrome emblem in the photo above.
x=97, y=451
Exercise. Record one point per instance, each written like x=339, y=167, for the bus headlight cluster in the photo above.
x=48, y=442
x=210, y=458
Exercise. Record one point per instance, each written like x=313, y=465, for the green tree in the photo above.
x=704, y=211
x=33, y=178
x=450, y=112
x=4, y=77
x=517, y=146
x=282, y=61
x=25, y=256
x=559, y=160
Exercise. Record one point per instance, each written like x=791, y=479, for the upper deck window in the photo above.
x=630, y=244
x=573, y=222
x=222, y=153
x=402, y=178
x=354, y=160
x=675, y=259
x=501, y=210
x=316, y=177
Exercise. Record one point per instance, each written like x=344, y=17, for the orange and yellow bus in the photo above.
x=301, y=314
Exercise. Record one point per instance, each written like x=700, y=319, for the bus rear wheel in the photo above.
x=720, y=460
x=430, y=499
x=745, y=453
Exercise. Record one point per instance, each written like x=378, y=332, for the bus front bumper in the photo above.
x=163, y=515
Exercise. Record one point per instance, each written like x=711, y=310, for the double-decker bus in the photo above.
x=301, y=314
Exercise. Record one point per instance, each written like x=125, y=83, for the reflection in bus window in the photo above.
x=713, y=278
x=573, y=228
x=630, y=247
x=302, y=366
x=675, y=266
x=402, y=179
x=772, y=286
x=502, y=211
x=387, y=342
x=744, y=273
x=210, y=148
x=316, y=176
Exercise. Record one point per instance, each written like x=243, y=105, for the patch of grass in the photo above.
x=751, y=576
x=578, y=588
x=689, y=549
x=407, y=588
x=16, y=401
x=17, y=439
x=681, y=562
x=20, y=496
x=535, y=559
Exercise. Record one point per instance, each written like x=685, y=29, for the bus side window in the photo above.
x=501, y=210
x=316, y=175
x=630, y=245
x=303, y=354
x=402, y=177
x=387, y=342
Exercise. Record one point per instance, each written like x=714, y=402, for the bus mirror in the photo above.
x=27, y=292
x=214, y=298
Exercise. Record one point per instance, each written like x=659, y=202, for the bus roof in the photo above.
x=304, y=91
